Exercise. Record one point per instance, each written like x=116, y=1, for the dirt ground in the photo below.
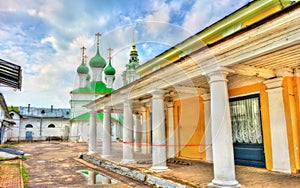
x=53, y=165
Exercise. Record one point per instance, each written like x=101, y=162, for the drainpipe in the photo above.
x=42, y=112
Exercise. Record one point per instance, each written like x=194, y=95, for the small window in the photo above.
x=51, y=126
x=11, y=115
x=28, y=126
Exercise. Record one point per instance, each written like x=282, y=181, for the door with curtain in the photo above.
x=247, y=131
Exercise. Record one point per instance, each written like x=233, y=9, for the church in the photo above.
x=90, y=87
x=229, y=95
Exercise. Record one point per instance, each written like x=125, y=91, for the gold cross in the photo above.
x=85, y=59
x=98, y=35
x=109, y=52
x=82, y=48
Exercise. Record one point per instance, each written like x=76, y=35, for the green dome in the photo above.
x=109, y=70
x=82, y=69
x=97, y=60
x=88, y=77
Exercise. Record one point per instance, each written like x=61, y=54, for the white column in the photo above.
x=106, y=144
x=127, y=135
x=171, y=136
x=138, y=133
x=224, y=169
x=92, y=133
x=144, y=131
x=279, y=140
x=92, y=178
x=159, y=150
x=207, y=124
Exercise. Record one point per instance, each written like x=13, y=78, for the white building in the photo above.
x=33, y=123
x=5, y=121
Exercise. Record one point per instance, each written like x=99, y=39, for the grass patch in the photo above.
x=24, y=174
x=9, y=144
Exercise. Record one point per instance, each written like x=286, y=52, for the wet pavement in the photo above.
x=55, y=164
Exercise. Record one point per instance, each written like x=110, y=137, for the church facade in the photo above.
x=91, y=86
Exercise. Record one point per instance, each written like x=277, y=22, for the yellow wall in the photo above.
x=297, y=101
x=177, y=111
x=265, y=118
x=290, y=87
x=148, y=128
x=189, y=124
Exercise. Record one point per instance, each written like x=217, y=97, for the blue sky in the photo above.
x=45, y=37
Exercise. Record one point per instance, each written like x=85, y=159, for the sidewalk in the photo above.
x=199, y=174
x=10, y=174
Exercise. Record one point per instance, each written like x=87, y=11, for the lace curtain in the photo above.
x=245, y=120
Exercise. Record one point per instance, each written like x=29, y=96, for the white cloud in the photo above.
x=45, y=37
x=32, y=12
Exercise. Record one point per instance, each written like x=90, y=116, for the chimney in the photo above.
x=28, y=109
x=51, y=108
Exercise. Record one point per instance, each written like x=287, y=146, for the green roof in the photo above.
x=98, y=60
x=94, y=87
x=109, y=70
x=82, y=69
x=86, y=116
x=88, y=77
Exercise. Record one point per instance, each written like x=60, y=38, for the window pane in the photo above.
x=245, y=120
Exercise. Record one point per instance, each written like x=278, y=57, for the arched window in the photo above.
x=28, y=126
x=51, y=126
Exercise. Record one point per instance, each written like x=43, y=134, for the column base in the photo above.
x=91, y=153
x=159, y=168
x=128, y=161
x=224, y=184
x=106, y=156
x=282, y=170
x=144, y=150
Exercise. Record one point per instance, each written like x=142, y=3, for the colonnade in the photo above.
x=221, y=152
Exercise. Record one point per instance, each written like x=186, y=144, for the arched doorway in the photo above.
x=28, y=132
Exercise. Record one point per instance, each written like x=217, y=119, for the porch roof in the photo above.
x=261, y=51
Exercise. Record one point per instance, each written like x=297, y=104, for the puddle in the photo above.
x=94, y=177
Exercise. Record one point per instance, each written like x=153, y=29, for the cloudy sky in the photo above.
x=44, y=37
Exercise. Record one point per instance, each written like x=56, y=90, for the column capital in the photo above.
x=107, y=108
x=206, y=97
x=143, y=109
x=126, y=102
x=216, y=74
x=297, y=72
x=157, y=94
x=284, y=72
x=93, y=111
x=170, y=104
x=274, y=83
